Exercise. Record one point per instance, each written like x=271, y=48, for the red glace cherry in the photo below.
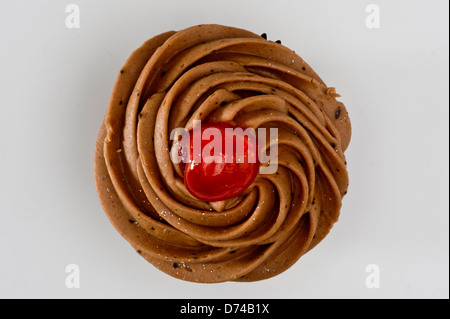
x=214, y=173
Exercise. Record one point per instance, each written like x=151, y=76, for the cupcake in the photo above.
x=245, y=215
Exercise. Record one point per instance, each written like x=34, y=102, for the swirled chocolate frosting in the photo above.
x=215, y=73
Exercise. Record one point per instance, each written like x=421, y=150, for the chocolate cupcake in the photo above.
x=253, y=225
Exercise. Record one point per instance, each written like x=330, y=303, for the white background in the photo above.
x=55, y=84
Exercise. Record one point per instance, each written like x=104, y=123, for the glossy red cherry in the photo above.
x=216, y=171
